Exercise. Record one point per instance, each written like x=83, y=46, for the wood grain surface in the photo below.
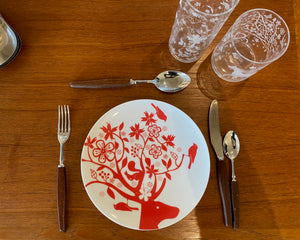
x=65, y=41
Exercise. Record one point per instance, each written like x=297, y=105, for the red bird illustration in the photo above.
x=192, y=154
x=160, y=114
x=124, y=207
x=136, y=176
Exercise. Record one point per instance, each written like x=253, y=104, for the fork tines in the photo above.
x=64, y=124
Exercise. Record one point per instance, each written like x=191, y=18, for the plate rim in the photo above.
x=181, y=112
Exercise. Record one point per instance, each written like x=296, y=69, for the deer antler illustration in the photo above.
x=136, y=165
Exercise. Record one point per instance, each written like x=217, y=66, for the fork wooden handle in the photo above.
x=61, y=198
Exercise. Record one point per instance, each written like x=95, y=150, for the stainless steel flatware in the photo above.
x=168, y=81
x=216, y=142
x=231, y=147
x=63, y=134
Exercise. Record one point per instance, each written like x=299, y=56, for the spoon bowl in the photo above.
x=231, y=145
x=172, y=81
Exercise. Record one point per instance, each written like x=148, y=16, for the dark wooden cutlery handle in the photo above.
x=224, y=191
x=101, y=83
x=235, y=204
x=61, y=198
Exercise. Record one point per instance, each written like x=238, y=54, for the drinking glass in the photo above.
x=10, y=43
x=196, y=24
x=257, y=38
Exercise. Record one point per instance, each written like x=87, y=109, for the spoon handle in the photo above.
x=235, y=203
x=102, y=83
x=143, y=81
x=224, y=191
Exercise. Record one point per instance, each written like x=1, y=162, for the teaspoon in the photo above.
x=168, y=81
x=231, y=148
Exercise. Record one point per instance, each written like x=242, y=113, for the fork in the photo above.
x=63, y=134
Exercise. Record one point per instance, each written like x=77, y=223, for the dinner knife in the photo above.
x=222, y=173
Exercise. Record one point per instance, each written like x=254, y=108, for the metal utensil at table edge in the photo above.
x=231, y=147
x=167, y=81
x=222, y=173
x=10, y=43
x=63, y=134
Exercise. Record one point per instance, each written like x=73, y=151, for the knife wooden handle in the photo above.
x=61, y=198
x=224, y=191
x=235, y=202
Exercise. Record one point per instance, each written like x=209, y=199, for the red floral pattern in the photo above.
x=141, y=160
x=103, y=151
x=155, y=151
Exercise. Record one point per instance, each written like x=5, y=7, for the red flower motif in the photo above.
x=104, y=152
x=169, y=140
x=109, y=131
x=89, y=142
x=136, y=131
x=151, y=170
x=148, y=118
x=155, y=151
x=154, y=130
x=174, y=155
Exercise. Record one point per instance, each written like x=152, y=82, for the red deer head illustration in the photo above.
x=152, y=213
x=142, y=161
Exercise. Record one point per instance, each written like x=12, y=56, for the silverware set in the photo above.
x=230, y=146
x=228, y=188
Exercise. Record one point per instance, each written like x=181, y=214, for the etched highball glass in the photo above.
x=196, y=24
x=257, y=38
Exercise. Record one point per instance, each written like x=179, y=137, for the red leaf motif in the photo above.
x=169, y=163
x=121, y=126
x=163, y=147
x=93, y=174
x=126, y=139
x=110, y=193
x=116, y=145
x=100, y=168
x=148, y=161
x=126, y=150
x=164, y=162
x=168, y=176
x=151, y=139
x=124, y=162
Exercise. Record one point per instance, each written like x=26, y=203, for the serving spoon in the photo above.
x=167, y=81
x=231, y=148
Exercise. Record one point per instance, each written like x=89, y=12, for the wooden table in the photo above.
x=64, y=41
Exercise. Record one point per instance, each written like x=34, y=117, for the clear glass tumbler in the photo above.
x=196, y=24
x=257, y=38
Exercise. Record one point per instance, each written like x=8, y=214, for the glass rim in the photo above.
x=285, y=25
x=214, y=14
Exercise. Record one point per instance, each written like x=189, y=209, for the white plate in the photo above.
x=145, y=164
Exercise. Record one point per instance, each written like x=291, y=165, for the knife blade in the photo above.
x=222, y=173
